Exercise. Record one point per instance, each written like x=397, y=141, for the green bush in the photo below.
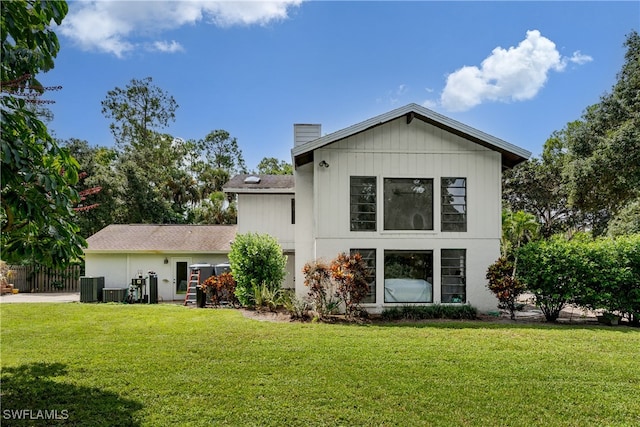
x=553, y=272
x=596, y=274
x=256, y=260
x=425, y=312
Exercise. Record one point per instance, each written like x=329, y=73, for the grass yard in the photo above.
x=161, y=365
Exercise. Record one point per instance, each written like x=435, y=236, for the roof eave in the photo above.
x=511, y=154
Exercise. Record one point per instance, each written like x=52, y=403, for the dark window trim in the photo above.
x=448, y=220
x=452, y=272
x=356, y=223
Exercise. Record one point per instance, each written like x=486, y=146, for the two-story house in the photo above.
x=416, y=193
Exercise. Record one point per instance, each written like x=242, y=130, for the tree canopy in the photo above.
x=38, y=175
x=588, y=176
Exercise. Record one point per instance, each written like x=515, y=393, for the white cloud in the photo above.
x=112, y=26
x=579, y=58
x=514, y=74
x=165, y=46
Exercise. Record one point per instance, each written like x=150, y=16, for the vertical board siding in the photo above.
x=42, y=279
x=416, y=150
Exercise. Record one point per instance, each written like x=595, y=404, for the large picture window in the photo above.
x=369, y=256
x=408, y=204
x=363, y=203
x=454, y=204
x=408, y=276
x=454, y=275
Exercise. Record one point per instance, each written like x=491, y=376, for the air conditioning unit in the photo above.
x=91, y=288
x=114, y=294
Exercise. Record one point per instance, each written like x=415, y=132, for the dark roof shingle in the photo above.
x=267, y=184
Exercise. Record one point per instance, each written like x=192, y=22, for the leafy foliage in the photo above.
x=256, y=260
x=351, y=275
x=220, y=288
x=518, y=228
x=597, y=274
x=604, y=160
x=273, y=166
x=37, y=174
x=504, y=285
x=551, y=271
x=322, y=292
x=426, y=312
x=344, y=281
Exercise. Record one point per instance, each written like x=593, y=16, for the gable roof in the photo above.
x=123, y=238
x=282, y=184
x=511, y=154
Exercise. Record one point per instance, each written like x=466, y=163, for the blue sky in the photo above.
x=516, y=70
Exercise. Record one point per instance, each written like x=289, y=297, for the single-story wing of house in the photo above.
x=122, y=252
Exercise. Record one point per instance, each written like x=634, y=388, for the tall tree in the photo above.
x=222, y=152
x=37, y=174
x=138, y=111
x=604, y=151
x=98, y=171
x=540, y=188
x=150, y=160
x=273, y=166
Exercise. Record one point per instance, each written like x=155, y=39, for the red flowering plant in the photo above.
x=220, y=289
x=505, y=285
x=317, y=277
x=351, y=276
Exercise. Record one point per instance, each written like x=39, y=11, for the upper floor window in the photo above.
x=408, y=204
x=363, y=203
x=454, y=204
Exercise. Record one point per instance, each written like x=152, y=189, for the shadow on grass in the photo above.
x=31, y=397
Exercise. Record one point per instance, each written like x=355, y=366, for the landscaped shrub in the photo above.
x=345, y=282
x=596, y=274
x=425, y=312
x=298, y=308
x=552, y=271
x=256, y=260
x=614, y=280
x=504, y=285
x=269, y=298
x=220, y=289
x=322, y=292
x=351, y=276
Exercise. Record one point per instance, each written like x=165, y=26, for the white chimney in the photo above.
x=303, y=133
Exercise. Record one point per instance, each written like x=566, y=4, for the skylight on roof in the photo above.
x=252, y=180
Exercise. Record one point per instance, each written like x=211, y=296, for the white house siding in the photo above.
x=267, y=213
x=400, y=150
x=119, y=268
x=305, y=223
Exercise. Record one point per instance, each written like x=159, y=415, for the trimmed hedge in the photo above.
x=425, y=312
x=596, y=274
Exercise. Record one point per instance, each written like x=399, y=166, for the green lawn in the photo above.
x=162, y=365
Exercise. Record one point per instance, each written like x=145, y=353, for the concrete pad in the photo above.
x=40, y=297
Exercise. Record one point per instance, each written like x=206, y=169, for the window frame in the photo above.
x=353, y=216
x=446, y=224
x=449, y=273
x=428, y=215
x=427, y=278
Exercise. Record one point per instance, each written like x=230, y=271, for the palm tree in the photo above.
x=518, y=228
